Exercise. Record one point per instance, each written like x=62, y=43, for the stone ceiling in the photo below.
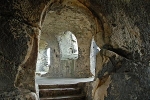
x=68, y=16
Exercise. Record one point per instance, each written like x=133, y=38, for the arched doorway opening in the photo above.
x=73, y=62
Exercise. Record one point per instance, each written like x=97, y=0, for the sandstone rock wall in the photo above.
x=20, y=27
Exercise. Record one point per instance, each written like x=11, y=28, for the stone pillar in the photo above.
x=54, y=68
x=82, y=68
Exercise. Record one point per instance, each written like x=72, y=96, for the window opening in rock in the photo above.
x=48, y=56
x=43, y=60
x=93, y=52
x=68, y=46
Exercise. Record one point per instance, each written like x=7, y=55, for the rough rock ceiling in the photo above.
x=65, y=17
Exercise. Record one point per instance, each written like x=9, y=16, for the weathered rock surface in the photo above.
x=20, y=27
x=126, y=37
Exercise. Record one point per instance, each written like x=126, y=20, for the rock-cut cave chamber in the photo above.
x=107, y=40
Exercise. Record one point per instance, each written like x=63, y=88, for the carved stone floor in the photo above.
x=52, y=81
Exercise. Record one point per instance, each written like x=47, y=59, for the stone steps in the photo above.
x=73, y=97
x=60, y=92
x=58, y=86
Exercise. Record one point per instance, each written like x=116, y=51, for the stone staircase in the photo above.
x=61, y=92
